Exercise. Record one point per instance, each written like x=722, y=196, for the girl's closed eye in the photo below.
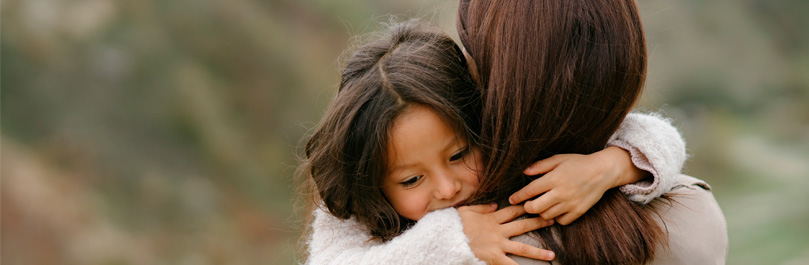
x=460, y=154
x=408, y=183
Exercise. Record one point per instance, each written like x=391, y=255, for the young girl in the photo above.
x=400, y=140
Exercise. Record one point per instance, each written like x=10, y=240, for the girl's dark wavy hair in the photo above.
x=559, y=76
x=345, y=158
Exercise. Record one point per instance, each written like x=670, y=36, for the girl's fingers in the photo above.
x=544, y=165
x=553, y=212
x=479, y=208
x=536, y=187
x=528, y=251
x=508, y=213
x=504, y=260
x=541, y=204
x=523, y=226
x=568, y=218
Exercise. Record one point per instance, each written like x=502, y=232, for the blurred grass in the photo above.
x=164, y=132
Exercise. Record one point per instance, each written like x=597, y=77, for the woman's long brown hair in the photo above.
x=559, y=76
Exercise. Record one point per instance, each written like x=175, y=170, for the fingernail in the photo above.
x=551, y=255
x=511, y=200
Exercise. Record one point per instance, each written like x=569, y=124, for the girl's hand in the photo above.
x=489, y=232
x=573, y=183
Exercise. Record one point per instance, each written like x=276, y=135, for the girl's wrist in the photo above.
x=623, y=169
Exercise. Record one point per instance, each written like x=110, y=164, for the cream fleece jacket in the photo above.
x=438, y=238
x=656, y=147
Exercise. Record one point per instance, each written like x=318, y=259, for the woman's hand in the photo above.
x=573, y=183
x=489, y=231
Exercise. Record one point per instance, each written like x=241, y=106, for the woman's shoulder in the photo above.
x=686, y=181
x=694, y=223
x=689, y=198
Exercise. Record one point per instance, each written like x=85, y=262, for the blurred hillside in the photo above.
x=165, y=132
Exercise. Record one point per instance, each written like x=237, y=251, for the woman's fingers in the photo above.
x=528, y=251
x=508, y=213
x=522, y=226
x=536, y=187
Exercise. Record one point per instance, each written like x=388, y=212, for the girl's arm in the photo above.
x=656, y=147
x=437, y=238
x=440, y=237
x=650, y=157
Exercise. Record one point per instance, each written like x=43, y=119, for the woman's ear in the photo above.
x=470, y=63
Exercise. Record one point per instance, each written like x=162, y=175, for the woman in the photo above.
x=576, y=68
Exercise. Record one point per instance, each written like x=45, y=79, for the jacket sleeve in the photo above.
x=437, y=238
x=655, y=146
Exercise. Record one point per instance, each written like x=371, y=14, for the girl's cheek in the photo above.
x=478, y=168
x=478, y=162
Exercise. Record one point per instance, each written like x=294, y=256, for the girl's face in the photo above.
x=429, y=166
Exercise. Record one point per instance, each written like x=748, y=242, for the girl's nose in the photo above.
x=446, y=186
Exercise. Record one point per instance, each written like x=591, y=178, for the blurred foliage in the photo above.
x=165, y=132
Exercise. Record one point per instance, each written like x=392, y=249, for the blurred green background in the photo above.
x=165, y=132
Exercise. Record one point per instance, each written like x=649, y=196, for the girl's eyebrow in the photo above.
x=397, y=168
x=448, y=146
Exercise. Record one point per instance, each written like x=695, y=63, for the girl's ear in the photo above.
x=470, y=63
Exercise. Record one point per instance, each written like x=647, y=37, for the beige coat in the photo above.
x=696, y=227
